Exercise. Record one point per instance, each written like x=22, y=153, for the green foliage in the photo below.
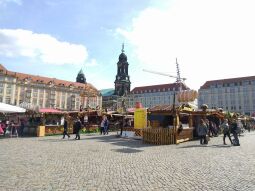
x=85, y=131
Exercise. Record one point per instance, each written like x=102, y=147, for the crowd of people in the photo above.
x=207, y=129
x=77, y=126
x=11, y=129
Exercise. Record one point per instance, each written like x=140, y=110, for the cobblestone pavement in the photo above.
x=109, y=163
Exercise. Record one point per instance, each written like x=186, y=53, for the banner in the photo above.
x=140, y=118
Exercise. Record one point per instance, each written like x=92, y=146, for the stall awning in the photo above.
x=6, y=108
x=49, y=110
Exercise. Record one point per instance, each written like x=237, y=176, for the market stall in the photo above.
x=168, y=125
x=10, y=118
x=52, y=122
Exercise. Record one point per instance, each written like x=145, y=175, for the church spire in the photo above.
x=122, y=82
x=122, y=50
x=81, y=77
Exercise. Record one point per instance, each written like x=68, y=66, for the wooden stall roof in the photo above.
x=161, y=109
x=168, y=109
x=205, y=113
x=83, y=113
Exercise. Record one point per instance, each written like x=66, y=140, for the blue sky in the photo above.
x=212, y=39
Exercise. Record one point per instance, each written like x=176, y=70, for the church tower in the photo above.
x=81, y=77
x=122, y=81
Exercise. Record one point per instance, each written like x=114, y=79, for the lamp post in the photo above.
x=124, y=109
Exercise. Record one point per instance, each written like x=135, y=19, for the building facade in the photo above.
x=234, y=94
x=42, y=92
x=122, y=81
x=150, y=96
x=109, y=100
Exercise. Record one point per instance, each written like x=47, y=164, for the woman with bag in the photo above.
x=202, y=131
x=226, y=131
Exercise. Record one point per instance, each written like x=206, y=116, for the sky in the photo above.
x=211, y=39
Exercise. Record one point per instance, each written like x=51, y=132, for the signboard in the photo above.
x=140, y=118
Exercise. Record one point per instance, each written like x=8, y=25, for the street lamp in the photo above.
x=124, y=109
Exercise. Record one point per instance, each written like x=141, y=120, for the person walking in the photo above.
x=77, y=126
x=21, y=127
x=226, y=131
x=202, y=131
x=102, y=125
x=106, y=125
x=234, y=130
x=65, y=133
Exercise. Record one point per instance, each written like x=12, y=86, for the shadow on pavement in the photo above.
x=120, y=141
x=112, y=139
x=211, y=146
x=59, y=140
x=127, y=150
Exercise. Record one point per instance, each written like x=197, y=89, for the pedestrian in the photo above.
x=21, y=127
x=77, y=126
x=106, y=125
x=129, y=123
x=235, y=131
x=249, y=127
x=226, y=131
x=210, y=128
x=1, y=128
x=102, y=125
x=202, y=131
x=65, y=133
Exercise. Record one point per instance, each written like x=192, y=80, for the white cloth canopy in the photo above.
x=6, y=108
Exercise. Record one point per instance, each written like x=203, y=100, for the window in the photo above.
x=34, y=102
x=8, y=100
x=8, y=91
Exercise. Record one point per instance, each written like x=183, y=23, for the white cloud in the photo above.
x=4, y=2
x=213, y=39
x=91, y=63
x=43, y=47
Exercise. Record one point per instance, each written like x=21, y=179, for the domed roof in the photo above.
x=123, y=57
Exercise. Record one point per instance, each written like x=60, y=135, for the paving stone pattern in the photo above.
x=108, y=163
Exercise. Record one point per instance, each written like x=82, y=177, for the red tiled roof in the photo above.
x=207, y=84
x=2, y=69
x=159, y=88
x=46, y=80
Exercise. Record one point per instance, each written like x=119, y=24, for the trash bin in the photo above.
x=40, y=131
